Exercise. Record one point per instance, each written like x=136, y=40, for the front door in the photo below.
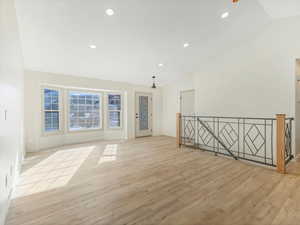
x=143, y=114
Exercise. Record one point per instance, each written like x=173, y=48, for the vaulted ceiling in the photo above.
x=57, y=35
x=281, y=8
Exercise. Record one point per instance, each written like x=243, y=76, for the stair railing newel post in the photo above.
x=280, y=143
x=178, y=129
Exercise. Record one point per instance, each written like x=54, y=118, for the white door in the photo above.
x=187, y=107
x=143, y=114
x=187, y=102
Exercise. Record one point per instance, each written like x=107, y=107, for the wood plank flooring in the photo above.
x=149, y=181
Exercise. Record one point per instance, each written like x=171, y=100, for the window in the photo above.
x=51, y=110
x=84, y=111
x=114, y=110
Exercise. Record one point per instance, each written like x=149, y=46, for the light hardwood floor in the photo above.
x=149, y=181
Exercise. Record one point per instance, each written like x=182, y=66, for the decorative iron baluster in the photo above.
x=217, y=139
x=246, y=138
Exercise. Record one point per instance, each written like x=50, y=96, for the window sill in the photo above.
x=114, y=128
x=51, y=133
x=84, y=130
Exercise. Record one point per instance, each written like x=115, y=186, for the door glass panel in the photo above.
x=143, y=108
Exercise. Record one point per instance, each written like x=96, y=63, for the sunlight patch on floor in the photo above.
x=53, y=172
x=109, y=153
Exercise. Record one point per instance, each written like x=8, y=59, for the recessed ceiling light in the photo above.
x=225, y=15
x=109, y=12
x=185, y=45
x=160, y=65
x=93, y=46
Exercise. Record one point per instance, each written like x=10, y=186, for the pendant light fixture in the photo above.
x=153, y=85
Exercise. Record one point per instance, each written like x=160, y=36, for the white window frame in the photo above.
x=121, y=111
x=101, y=114
x=60, y=111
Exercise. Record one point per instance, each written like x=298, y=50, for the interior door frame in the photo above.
x=181, y=92
x=150, y=117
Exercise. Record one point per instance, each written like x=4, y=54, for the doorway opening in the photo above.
x=297, y=108
x=187, y=102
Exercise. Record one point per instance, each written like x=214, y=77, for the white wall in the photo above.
x=35, y=140
x=11, y=100
x=171, y=103
x=256, y=79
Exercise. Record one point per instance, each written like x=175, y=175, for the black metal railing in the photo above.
x=251, y=139
x=288, y=140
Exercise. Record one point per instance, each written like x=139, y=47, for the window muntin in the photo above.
x=84, y=111
x=114, y=110
x=51, y=110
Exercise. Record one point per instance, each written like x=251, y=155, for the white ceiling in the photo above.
x=281, y=8
x=56, y=35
